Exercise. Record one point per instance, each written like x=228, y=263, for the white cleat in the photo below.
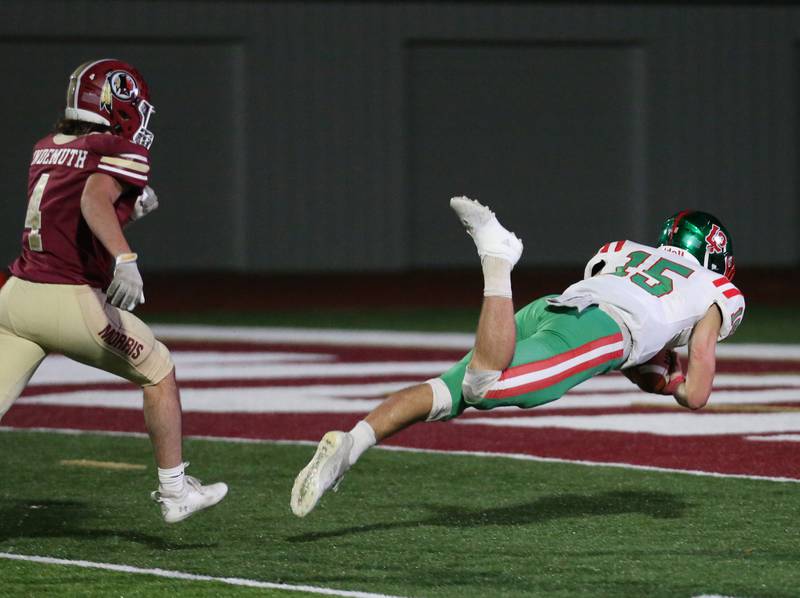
x=324, y=471
x=195, y=497
x=490, y=237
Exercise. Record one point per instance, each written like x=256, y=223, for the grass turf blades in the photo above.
x=412, y=524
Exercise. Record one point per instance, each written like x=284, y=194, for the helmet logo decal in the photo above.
x=716, y=240
x=105, y=98
x=123, y=86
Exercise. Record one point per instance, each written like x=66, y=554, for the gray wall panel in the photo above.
x=311, y=110
x=549, y=130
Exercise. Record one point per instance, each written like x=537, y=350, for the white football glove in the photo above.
x=145, y=203
x=125, y=290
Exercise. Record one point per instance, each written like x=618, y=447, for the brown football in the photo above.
x=653, y=375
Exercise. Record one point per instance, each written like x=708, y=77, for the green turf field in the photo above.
x=411, y=524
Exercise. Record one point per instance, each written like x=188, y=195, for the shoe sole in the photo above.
x=307, y=489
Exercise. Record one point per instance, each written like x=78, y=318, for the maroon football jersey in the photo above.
x=57, y=244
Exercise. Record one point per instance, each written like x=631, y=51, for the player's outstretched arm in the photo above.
x=97, y=208
x=694, y=392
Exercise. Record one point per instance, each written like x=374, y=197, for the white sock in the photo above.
x=496, y=277
x=171, y=480
x=363, y=438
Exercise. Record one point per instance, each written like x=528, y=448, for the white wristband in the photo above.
x=125, y=258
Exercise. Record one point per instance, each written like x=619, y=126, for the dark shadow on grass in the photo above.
x=659, y=505
x=30, y=518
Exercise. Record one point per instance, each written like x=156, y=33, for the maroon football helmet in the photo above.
x=112, y=93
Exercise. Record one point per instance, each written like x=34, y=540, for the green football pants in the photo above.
x=557, y=348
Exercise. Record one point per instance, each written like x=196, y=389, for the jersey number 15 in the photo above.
x=654, y=280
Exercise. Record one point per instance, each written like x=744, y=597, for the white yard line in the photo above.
x=481, y=454
x=373, y=338
x=233, y=581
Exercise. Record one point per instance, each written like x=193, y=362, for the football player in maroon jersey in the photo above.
x=76, y=280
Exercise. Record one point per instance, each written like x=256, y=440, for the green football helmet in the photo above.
x=703, y=236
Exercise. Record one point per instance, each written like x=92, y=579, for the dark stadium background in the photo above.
x=305, y=151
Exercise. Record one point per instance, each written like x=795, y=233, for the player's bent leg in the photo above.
x=100, y=335
x=559, y=349
x=556, y=349
x=179, y=495
x=97, y=334
x=162, y=417
x=495, y=338
x=400, y=410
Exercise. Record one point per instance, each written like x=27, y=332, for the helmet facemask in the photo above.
x=143, y=136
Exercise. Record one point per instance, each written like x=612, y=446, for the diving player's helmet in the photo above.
x=703, y=236
x=111, y=93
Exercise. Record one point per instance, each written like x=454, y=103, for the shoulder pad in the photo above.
x=612, y=247
x=120, y=158
x=112, y=145
x=597, y=262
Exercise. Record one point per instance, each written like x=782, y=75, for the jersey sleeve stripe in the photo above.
x=732, y=292
x=721, y=281
x=126, y=173
x=604, y=248
x=136, y=157
x=123, y=163
x=619, y=245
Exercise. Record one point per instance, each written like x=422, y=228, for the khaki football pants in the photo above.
x=74, y=320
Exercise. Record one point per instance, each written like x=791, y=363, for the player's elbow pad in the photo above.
x=477, y=383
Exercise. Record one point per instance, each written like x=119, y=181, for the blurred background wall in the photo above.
x=328, y=136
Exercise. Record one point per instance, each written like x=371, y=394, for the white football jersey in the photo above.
x=658, y=293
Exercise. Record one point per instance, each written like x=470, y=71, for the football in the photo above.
x=654, y=375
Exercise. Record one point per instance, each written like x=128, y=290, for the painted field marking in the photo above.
x=59, y=369
x=662, y=424
x=374, y=338
x=393, y=338
x=101, y=464
x=775, y=438
x=233, y=581
x=480, y=454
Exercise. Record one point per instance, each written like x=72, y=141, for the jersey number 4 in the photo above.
x=33, y=218
x=653, y=280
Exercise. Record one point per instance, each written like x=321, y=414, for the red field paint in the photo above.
x=726, y=453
